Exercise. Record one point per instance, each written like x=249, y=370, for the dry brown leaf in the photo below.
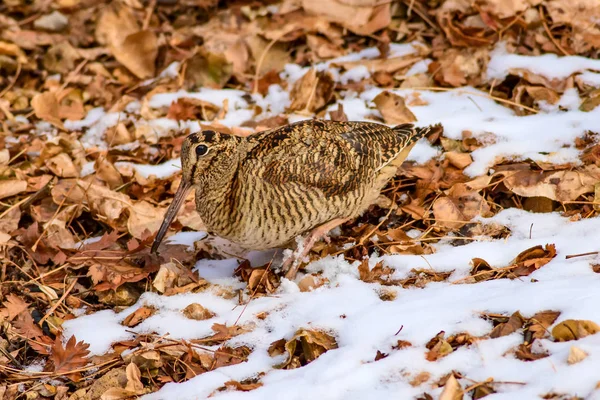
x=242, y=387
x=532, y=259
x=506, y=8
x=197, y=312
x=311, y=282
x=187, y=108
x=566, y=185
x=378, y=273
x=144, y=218
x=393, y=108
x=208, y=69
x=452, y=390
x=387, y=65
x=171, y=275
x=459, y=207
x=312, y=92
x=525, y=352
x=134, y=48
x=275, y=59
x=11, y=187
x=46, y=107
x=540, y=323
x=573, y=329
x=62, y=166
x=363, y=18
x=311, y=344
x=134, y=384
x=514, y=323
x=438, y=347
x=69, y=358
x=459, y=160
x=138, y=316
x=14, y=305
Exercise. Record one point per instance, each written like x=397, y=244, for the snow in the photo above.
x=370, y=324
x=352, y=310
x=548, y=65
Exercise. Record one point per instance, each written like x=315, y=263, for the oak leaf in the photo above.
x=69, y=358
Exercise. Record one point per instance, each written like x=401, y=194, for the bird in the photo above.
x=301, y=180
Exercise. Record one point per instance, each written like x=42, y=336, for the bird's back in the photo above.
x=294, y=178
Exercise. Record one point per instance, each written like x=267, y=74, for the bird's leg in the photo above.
x=292, y=263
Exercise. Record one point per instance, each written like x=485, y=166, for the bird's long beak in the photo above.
x=171, y=212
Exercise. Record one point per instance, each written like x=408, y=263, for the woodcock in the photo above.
x=306, y=178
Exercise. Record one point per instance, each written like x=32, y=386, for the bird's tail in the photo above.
x=411, y=133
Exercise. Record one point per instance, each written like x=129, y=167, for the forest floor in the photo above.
x=481, y=279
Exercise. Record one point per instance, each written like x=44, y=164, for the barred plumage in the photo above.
x=264, y=190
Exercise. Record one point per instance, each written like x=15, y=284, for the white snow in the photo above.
x=352, y=310
x=548, y=65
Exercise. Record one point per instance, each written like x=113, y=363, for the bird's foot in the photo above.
x=293, y=262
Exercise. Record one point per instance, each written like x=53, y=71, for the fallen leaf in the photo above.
x=311, y=282
x=524, y=352
x=393, y=108
x=532, y=259
x=138, y=316
x=171, y=275
x=208, y=69
x=312, y=92
x=576, y=355
x=12, y=187
x=573, y=329
x=134, y=384
x=438, y=347
x=187, y=108
x=378, y=273
x=46, y=107
x=307, y=345
x=69, y=358
x=514, y=323
x=540, y=323
x=14, y=305
x=242, y=387
x=565, y=185
x=362, y=18
x=197, y=312
x=62, y=166
x=26, y=326
x=134, y=48
x=459, y=160
x=452, y=390
x=459, y=207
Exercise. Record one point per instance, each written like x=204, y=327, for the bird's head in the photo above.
x=208, y=160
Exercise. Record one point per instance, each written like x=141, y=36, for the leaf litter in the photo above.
x=95, y=101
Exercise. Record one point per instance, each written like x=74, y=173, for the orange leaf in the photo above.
x=71, y=357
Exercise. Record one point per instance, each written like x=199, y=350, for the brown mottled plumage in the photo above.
x=264, y=190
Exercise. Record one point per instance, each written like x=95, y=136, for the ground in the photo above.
x=476, y=280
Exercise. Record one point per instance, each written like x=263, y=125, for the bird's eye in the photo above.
x=201, y=150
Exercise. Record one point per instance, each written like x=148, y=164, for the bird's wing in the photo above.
x=332, y=157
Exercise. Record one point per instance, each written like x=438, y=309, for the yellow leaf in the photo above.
x=573, y=329
x=576, y=355
x=452, y=390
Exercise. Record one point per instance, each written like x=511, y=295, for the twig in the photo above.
x=495, y=98
x=549, y=33
x=58, y=302
x=591, y=253
x=12, y=82
x=262, y=58
x=255, y=290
